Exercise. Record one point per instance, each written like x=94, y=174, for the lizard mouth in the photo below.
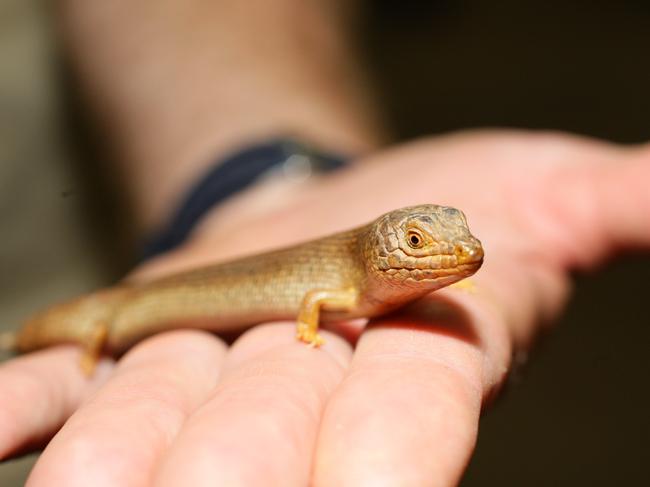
x=438, y=267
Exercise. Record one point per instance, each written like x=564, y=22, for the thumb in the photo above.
x=604, y=208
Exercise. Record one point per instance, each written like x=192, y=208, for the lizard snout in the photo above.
x=468, y=252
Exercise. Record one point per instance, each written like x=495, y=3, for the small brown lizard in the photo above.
x=363, y=272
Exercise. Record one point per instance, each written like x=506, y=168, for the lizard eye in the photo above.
x=414, y=239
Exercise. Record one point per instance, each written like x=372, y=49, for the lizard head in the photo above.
x=425, y=246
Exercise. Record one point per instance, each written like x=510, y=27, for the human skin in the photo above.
x=395, y=403
x=400, y=408
x=176, y=85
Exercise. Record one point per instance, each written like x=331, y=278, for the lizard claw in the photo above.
x=309, y=335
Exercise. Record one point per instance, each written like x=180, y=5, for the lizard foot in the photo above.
x=88, y=363
x=466, y=285
x=309, y=335
x=92, y=349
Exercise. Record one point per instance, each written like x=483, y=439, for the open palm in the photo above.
x=401, y=407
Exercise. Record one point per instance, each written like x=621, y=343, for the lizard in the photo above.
x=359, y=273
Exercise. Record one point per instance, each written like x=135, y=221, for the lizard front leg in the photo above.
x=313, y=302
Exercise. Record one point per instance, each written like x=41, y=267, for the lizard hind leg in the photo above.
x=92, y=347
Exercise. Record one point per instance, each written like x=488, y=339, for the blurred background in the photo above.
x=578, y=414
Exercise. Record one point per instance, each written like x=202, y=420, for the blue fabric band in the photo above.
x=229, y=176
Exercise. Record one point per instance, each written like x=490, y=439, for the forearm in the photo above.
x=176, y=84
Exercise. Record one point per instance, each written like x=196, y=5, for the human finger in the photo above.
x=116, y=437
x=407, y=411
x=40, y=391
x=259, y=426
x=583, y=213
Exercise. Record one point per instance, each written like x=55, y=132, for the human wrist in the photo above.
x=195, y=83
x=282, y=159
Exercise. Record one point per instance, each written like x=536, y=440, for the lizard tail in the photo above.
x=7, y=341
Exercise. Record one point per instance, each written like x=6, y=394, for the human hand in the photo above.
x=402, y=407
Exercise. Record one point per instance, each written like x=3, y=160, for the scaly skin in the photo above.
x=363, y=272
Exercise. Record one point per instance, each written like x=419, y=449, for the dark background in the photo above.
x=580, y=66
x=577, y=414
